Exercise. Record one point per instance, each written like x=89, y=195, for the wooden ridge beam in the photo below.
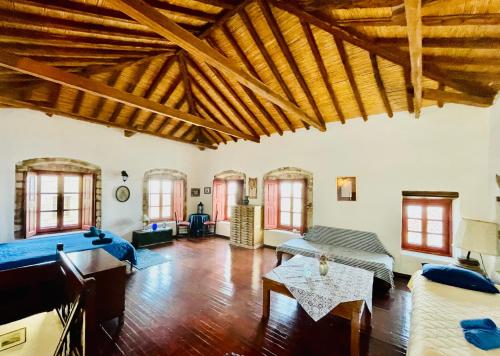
x=292, y=63
x=457, y=98
x=322, y=69
x=380, y=85
x=413, y=12
x=40, y=70
x=28, y=105
x=149, y=16
x=350, y=76
x=392, y=53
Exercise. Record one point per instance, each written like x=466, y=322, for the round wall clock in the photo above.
x=122, y=194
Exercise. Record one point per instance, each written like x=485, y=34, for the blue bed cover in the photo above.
x=43, y=249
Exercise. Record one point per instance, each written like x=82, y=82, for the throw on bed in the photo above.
x=43, y=249
x=350, y=247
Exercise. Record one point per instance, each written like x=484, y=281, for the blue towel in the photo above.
x=483, y=339
x=483, y=324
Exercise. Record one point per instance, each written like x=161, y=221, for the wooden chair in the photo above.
x=210, y=227
x=183, y=228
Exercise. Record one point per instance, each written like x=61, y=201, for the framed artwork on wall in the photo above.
x=346, y=188
x=195, y=192
x=207, y=190
x=252, y=188
x=13, y=338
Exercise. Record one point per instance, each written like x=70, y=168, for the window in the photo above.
x=226, y=194
x=58, y=201
x=160, y=199
x=427, y=225
x=284, y=204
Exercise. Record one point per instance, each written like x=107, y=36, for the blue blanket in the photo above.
x=43, y=249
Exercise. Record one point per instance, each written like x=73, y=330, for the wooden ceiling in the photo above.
x=207, y=72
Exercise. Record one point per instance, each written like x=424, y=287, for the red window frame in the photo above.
x=303, y=216
x=446, y=204
x=160, y=207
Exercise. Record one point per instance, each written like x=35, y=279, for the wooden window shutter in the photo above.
x=87, y=201
x=271, y=204
x=179, y=199
x=219, y=200
x=31, y=204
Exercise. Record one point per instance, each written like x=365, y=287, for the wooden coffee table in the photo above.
x=355, y=311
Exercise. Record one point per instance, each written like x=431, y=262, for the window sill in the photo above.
x=427, y=256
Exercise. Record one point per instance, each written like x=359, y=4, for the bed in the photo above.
x=436, y=312
x=43, y=249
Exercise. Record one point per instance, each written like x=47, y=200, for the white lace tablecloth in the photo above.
x=317, y=294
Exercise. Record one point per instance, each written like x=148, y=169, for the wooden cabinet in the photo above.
x=246, y=226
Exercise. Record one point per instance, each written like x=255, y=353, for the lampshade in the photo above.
x=477, y=236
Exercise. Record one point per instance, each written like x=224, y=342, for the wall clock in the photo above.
x=122, y=194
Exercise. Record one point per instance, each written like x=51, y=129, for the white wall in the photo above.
x=28, y=134
x=446, y=149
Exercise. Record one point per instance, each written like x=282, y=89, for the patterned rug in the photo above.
x=147, y=258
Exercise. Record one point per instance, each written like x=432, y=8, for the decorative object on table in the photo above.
x=154, y=227
x=346, y=188
x=252, y=188
x=246, y=226
x=207, y=190
x=145, y=221
x=476, y=236
x=93, y=232
x=147, y=258
x=163, y=225
x=246, y=201
x=323, y=265
x=13, y=338
x=199, y=209
x=102, y=240
x=141, y=238
x=122, y=194
x=124, y=176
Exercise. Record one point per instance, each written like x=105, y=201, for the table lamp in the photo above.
x=476, y=236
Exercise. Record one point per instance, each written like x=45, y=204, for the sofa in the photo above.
x=350, y=247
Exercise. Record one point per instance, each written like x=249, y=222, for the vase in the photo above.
x=323, y=268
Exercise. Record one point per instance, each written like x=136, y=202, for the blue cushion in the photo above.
x=459, y=277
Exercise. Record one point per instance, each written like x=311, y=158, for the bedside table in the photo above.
x=109, y=274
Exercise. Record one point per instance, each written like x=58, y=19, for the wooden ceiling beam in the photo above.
x=457, y=98
x=225, y=4
x=113, y=78
x=459, y=60
x=444, y=42
x=350, y=76
x=167, y=120
x=440, y=102
x=413, y=11
x=28, y=105
x=292, y=63
x=250, y=68
x=147, y=15
x=313, y=46
x=380, y=85
x=486, y=76
x=392, y=53
x=166, y=95
x=205, y=113
x=186, y=82
x=38, y=50
x=159, y=76
x=37, y=69
x=409, y=90
x=343, y=4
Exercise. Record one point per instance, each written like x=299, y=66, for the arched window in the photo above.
x=56, y=194
x=164, y=195
x=228, y=189
x=288, y=199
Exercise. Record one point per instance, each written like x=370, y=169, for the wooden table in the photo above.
x=354, y=311
x=109, y=274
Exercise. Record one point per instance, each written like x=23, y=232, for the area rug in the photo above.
x=147, y=258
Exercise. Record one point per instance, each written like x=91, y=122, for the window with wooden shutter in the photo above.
x=31, y=204
x=233, y=195
x=271, y=204
x=219, y=199
x=179, y=199
x=161, y=199
x=87, y=201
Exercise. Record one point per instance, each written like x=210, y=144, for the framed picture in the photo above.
x=207, y=190
x=13, y=338
x=195, y=192
x=346, y=188
x=252, y=188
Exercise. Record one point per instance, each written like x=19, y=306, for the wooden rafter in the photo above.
x=167, y=120
x=210, y=114
x=458, y=98
x=149, y=16
x=409, y=90
x=440, y=102
x=322, y=69
x=283, y=45
x=350, y=76
x=444, y=42
x=413, y=11
x=186, y=82
x=113, y=78
x=380, y=85
x=49, y=73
